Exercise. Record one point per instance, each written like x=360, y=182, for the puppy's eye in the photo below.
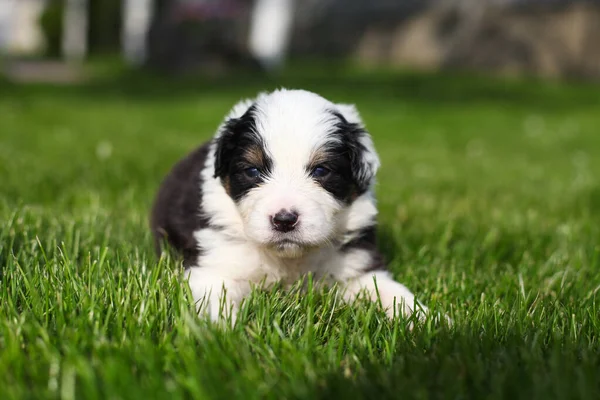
x=252, y=172
x=319, y=172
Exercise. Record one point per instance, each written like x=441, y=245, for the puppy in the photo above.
x=284, y=189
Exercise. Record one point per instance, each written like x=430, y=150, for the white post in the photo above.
x=137, y=15
x=7, y=14
x=75, y=30
x=270, y=29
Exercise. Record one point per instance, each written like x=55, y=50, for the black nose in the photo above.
x=284, y=221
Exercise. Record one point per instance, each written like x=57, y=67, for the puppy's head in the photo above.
x=292, y=162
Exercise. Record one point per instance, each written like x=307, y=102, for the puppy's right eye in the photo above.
x=252, y=172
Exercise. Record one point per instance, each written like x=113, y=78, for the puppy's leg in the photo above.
x=395, y=298
x=216, y=297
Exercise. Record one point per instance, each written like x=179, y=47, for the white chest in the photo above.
x=241, y=260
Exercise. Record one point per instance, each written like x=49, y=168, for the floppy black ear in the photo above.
x=232, y=133
x=364, y=160
x=224, y=148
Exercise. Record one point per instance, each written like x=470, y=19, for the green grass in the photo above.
x=490, y=211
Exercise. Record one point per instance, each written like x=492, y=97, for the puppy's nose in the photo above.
x=284, y=220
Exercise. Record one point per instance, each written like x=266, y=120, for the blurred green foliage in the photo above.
x=51, y=24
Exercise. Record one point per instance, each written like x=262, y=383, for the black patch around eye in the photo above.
x=239, y=184
x=232, y=155
x=344, y=161
x=338, y=180
x=351, y=149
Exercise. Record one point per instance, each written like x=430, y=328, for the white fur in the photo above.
x=241, y=252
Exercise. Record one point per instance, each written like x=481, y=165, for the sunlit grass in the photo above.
x=490, y=211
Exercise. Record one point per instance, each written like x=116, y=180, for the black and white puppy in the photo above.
x=284, y=189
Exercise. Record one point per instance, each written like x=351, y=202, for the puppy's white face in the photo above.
x=292, y=162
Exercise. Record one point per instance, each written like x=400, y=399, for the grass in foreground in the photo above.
x=490, y=210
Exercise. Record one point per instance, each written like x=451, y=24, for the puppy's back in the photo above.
x=177, y=209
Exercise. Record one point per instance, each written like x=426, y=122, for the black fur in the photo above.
x=367, y=240
x=239, y=135
x=345, y=162
x=235, y=132
x=352, y=150
x=338, y=181
x=177, y=211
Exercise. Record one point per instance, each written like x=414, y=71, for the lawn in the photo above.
x=490, y=211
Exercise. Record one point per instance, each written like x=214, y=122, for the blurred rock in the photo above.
x=551, y=41
x=551, y=38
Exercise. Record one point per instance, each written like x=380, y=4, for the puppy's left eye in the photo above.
x=252, y=172
x=319, y=172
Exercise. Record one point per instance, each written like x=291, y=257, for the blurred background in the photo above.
x=47, y=39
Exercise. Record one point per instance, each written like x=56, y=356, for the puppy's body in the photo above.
x=283, y=190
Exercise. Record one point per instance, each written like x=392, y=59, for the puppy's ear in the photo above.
x=239, y=121
x=351, y=114
x=224, y=146
x=242, y=106
x=363, y=156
